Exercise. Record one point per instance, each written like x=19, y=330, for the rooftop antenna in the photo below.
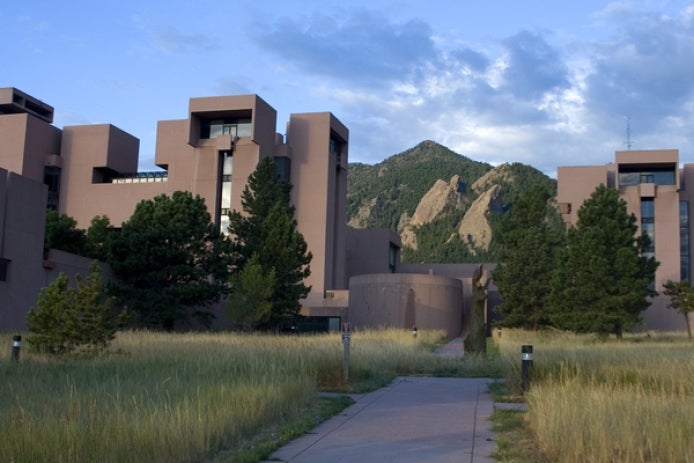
x=628, y=140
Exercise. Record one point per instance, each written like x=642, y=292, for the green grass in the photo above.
x=263, y=444
x=160, y=397
x=514, y=440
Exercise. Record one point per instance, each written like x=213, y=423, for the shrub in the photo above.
x=68, y=319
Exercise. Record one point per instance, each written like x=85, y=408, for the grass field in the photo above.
x=596, y=400
x=160, y=397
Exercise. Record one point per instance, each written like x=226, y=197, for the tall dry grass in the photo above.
x=160, y=397
x=593, y=400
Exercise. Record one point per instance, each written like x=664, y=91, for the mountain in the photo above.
x=443, y=205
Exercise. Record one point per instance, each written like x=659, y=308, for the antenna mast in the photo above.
x=628, y=140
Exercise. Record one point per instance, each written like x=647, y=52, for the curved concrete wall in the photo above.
x=406, y=300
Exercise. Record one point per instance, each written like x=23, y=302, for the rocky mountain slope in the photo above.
x=443, y=205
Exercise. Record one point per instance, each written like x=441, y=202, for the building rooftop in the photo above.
x=14, y=101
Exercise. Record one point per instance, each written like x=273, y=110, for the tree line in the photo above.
x=171, y=262
x=596, y=276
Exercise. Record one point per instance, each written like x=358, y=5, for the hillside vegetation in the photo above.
x=445, y=206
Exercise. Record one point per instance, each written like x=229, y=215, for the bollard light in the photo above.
x=526, y=364
x=16, y=346
x=414, y=331
x=346, y=339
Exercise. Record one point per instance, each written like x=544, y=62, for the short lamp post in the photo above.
x=16, y=346
x=526, y=365
x=346, y=340
x=414, y=331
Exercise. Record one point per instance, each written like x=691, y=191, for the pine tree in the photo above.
x=601, y=280
x=249, y=302
x=68, y=319
x=62, y=233
x=529, y=236
x=170, y=260
x=267, y=229
x=98, y=233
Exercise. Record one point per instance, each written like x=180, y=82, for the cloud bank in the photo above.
x=525, y=98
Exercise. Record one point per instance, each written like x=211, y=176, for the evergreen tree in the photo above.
x=170, y=260
x=267, y=229
x=602, y=278
x=529, y=236
x=98, y=233
x=67, y=319
x=249, y=302
x=62, y=233
x=681, y=299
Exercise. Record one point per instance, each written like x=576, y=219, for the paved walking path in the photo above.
x=415, y=419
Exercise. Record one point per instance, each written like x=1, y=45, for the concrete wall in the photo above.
x=83, y=194
x=575, y=185
x=406, y=300
x=319, y=194
x=71, y=265
x=26, y=142
x=22, y=220
x=368, y=251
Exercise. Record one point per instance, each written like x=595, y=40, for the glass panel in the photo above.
x=227, y=167
x=648, y=223
x=684, y=213
x=659, y=177
x=647, y=208
x=228, y=163
x=392, y=255
x=664, y=178
x=216, y=130
x=215, y=127
x=684, y=241
x=283, y=165
x=243, y=130
x=626, y=179
x=334, y=324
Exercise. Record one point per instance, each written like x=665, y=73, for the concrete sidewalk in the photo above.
x=415, y=419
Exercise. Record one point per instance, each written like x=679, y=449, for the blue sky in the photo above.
x=543, y=83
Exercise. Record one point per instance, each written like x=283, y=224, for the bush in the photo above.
x=68, y=319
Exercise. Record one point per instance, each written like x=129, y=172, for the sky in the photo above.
x=545, y=83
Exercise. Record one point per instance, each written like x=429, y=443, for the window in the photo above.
x=4, y=266
x=226, y=160
x=336, y=148
x=283, y=164
x=51, y=177
x=237, y=127
x=684, y=240
x=648, y=224
x=392, y=257
x=635, y=175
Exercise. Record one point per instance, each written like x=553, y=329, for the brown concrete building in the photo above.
x=91, y=170
x=656, y=191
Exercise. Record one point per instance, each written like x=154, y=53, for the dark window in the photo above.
x=636, y=175
x=648, y=223
x=336, y=148
x=684, y=240
x=392, y=257
x=4, y=267
x=284, y=167
x=51, y=177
